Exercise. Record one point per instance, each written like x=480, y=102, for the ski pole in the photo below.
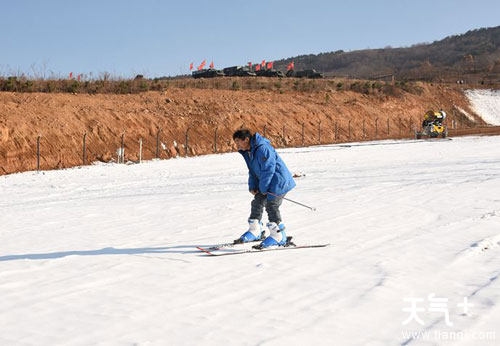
x=289, y=200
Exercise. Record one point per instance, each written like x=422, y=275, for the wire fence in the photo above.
x=121, y=147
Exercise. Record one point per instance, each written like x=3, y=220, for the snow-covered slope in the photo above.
x=486, y=103
x=106, y=254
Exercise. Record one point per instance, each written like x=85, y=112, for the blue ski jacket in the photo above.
x=266, y=170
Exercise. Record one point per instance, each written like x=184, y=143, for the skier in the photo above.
x=268, y=180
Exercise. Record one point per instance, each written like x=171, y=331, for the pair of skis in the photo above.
x=227, y=249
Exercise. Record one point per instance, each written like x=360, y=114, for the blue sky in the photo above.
x=161, y=38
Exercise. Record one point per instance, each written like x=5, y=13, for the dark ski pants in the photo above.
x=272, y=208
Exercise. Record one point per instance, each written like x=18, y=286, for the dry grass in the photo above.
x=135, y=86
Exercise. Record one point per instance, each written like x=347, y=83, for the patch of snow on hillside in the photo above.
x=486, y=103
x=464, y=112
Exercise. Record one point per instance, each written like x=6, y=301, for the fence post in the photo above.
x=400, y=126
x=215, y=140
x=38, y=153
x=84, y=137
x=303, y=139
x=376, y=128
x=388, y=127
x=187, y=142
x=364, y=128
x=411, y=123
x=336, y=131
x=158, y=143
x=319, y=132
x=123, y=148
x=140, y=150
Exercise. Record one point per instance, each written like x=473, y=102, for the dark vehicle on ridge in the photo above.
x=207, y=73
x=269, y=73
x=304, y=74
x=240, y=71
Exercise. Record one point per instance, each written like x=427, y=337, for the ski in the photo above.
x=229, y=245
x=246, y=251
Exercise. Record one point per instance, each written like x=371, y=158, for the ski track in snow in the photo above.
x=106, y=254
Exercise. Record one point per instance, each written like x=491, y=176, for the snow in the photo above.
x=464, y=112
x=105, y=254
x=486, y=103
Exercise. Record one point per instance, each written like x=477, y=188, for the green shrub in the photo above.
x=124, y=87
x=366, y=88
x=143, y=86
x=356, y=86
x=50, y=87
x=12, y=84
x=27, y=86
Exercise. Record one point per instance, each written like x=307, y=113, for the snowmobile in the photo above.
x=432, y=126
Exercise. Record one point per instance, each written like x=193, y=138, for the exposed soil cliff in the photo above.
x=61, y=120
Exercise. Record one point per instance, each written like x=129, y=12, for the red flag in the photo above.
x=202, y=64
x=269, y=65
x=257, y=67
x=249, y=64
x=212, y=64
x=78, y=77
x=263, y=63
x=190, y=66
x=70, y=75
x=290, y=66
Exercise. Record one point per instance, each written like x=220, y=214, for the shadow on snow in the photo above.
x=181, y=249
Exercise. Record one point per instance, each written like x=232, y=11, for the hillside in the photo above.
x=474, y=56
x=162, y=119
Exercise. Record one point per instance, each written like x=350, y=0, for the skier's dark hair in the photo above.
x=242, y=134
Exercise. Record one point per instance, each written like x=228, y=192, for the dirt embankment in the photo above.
x=162, y=119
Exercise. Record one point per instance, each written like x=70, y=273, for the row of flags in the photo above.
x=262, y=65
x=202, y=65
x=258, y=67
x=78, y=77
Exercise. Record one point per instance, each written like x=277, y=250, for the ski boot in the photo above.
x=276, y=238
x=254, y=233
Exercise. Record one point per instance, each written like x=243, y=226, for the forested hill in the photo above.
x=475, y=54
